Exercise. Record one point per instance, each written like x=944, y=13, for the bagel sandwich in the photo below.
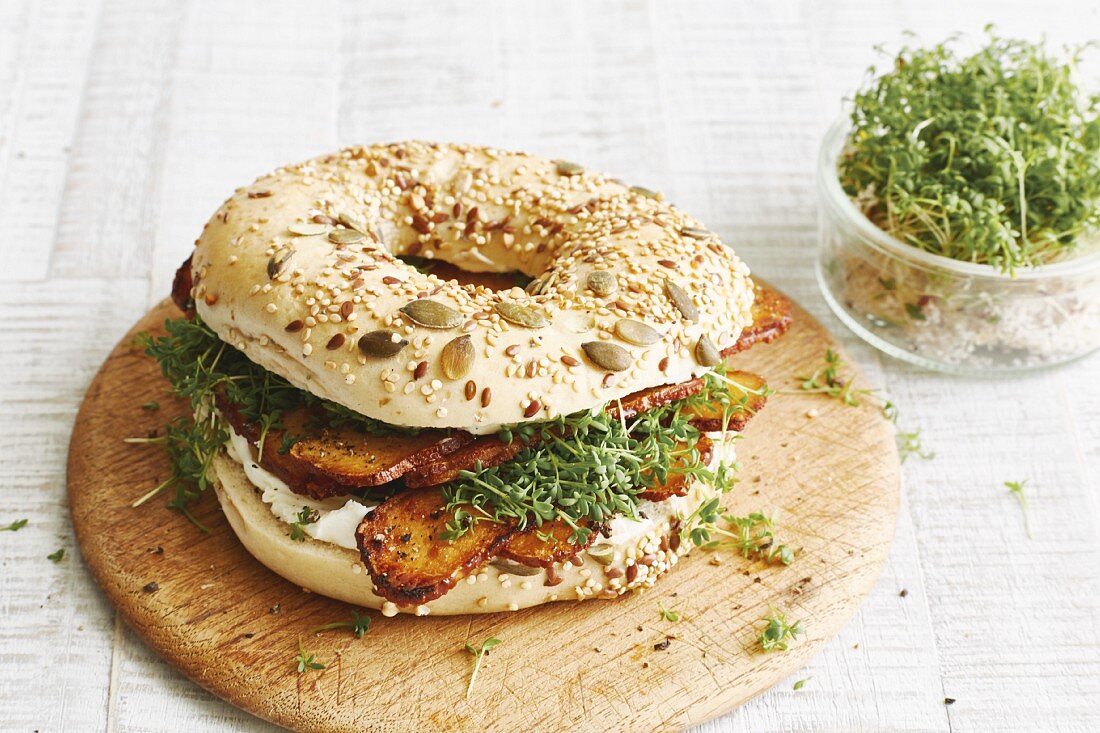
x=449, y=379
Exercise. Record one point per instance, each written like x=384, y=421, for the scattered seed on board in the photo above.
x=457, y=357
x=432, y=314
x=608, y=356
x=346, y=236
x=335, y=342
x=695, y=232
x=602, y=283
x=521, y=315
x=381, y=343
x=308, y=229
x=681, y=300
x=532, y=409
x=706, y=353
x=471, y=390
x=636, y=332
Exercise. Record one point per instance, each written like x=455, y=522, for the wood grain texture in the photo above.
x=163, y=108
x=830, y=481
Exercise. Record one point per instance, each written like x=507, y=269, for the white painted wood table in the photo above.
x=124, y=123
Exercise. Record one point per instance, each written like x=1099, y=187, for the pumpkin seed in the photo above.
x=643, y=191
x=603, y=553
x=608, y=356
x=681, y=300
x=277, y=264
x=457, y=357
x=308, y=229
x=350, y=221
x=381, y=344
x=513, y=568
x=346, y=236
x=602, y=283
x=636, y=332
x=695, y=232
x=565, y=168
x=521, y=315
x=706, y=353
x=432, y=314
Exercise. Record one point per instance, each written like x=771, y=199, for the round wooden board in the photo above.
x=830, y=482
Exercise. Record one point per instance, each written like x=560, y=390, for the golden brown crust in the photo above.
x=771, y=317
x=326, y=461
x=181, y=288
x=486, y=451
x=401, y=543
x=747, y=395
x=543, y=546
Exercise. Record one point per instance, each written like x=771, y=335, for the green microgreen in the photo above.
x=587, y=467
x=200, y=366
x=991, y=158
x=15, y=526
x=304, y=517
x=828, y=380
x=752, y=537
x=56, y=556
x=801, y=683
x=359, y=625
x=479, y=654
x=307, y=661
x=669, y=614
x=1016, y=488
x=778, y=632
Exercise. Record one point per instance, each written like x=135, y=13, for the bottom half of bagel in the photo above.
x=322, y=558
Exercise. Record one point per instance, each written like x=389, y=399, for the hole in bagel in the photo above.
x=498, y=281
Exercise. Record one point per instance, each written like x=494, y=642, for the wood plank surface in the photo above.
x=826, y=472
x=124, y=124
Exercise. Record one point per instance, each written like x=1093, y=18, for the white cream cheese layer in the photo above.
x=337, y=518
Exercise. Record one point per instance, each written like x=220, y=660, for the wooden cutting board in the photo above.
x=830, y=482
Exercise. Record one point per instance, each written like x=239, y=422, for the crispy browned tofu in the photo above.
x=771, y=317
x=487, y=450
x=401, y=543
x=646, y=399
x=181, y=289
x=543, y=546
x=320, y=461
x=747, y=395
x=677, y=484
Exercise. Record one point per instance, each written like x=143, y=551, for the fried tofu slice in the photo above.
x=320, y=461
x=636, y=403
x=677, y=484
x=491, y=451
x=181, y=289
x=402, y=546
x=488, y=451
x=771, y=317
x=747, y=395
x=543, y=546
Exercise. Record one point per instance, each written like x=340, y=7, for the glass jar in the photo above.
x=941, y=313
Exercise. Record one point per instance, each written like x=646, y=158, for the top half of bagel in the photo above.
x=300, y=270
